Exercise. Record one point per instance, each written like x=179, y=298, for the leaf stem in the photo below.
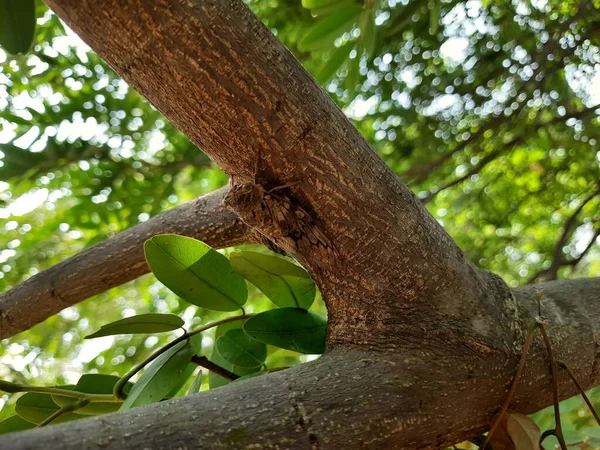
x=513, y=386
x=65, y=409
x=120, y=385
x=564, y=366
x=7, y=386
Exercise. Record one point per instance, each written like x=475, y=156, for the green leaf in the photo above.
x=241, y=350
x=182, y=380
x=14, y=423
x=143, y=323
x=196, y=272
x=35, y=408
x=17, y=25
x=160, y=377
x=335, y=61
x=285, y=283
x=326, y=30
x=94, y=384
x=195, y=387
x=215, y=380
x=290, y=328
x=368, y=32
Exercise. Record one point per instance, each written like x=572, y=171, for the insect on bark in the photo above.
x=279, y=221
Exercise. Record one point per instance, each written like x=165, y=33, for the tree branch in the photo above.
x=413, y=401
x=115, y=261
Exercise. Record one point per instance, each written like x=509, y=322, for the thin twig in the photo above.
x=203, y=361
x=118, y=388
x=542, y=327
x=564, y=366
x=513, y=386
x=65, y=409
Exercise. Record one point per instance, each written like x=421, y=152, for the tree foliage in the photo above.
x=488, y=110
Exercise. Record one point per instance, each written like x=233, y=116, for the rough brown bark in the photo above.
x=421, y=344
x=115, y=261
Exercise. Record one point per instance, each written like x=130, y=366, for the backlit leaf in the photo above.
x=160, y=377
x=195, y=272
x=285, y=283
x=143, y=323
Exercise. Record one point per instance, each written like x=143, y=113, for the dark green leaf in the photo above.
x=290, y=328
x=326, y=30
x=17, y=25
x=143, y=323
x=285, y=283
x=241, y=350
x=14, y=423
x=160, y=377
x=35, y=408
x=215, y=380
x=196, y=272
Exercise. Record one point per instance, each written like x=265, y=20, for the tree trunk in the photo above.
x=421, y=344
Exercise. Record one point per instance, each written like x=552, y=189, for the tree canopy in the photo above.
x=489, y=111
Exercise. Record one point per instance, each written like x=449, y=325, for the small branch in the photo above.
x=115, y=261
x=553, y=367
x=513, y=386
x=65, y=409
x=564, y=366
x=120, y=385
x=203, y=361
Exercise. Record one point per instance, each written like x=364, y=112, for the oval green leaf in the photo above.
x=94, y=384
x=290, y=328
x=35, y=408
x=17, y=25
x=285, y=283
x=160, y=377
x=196, y=272
x=326, y=30
x=215, y=380
x=143, y=323
x=241, y=350
x=14, y=423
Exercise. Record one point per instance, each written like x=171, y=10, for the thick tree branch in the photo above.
x=115, y=261
x=222, y=78
x=354, y=399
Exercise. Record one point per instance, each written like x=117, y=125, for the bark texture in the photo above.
x=115, y=261
x=422, y=345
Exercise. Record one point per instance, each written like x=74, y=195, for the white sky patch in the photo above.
x=25, y=203
x=93, y=347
